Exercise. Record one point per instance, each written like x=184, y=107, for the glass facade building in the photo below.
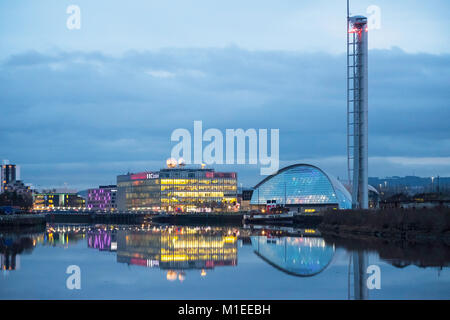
x=301, y=185
x=178, y=190
x=140, y=191
x=58, y=201
x=197, y=189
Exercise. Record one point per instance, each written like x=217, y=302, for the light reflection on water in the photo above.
x=175, y=262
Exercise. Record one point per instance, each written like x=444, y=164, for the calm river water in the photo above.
x=175, y=262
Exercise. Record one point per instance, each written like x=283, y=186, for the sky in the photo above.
x=80, y=106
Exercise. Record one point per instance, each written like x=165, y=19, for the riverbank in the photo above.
x=21, y=220
x=421, y=225
x=222, y=218
x=95, y=218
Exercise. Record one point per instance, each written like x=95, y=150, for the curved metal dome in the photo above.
x=297, y=256
x=371, y=188
x=302, y=184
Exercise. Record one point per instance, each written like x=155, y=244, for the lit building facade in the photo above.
x=302, y=187
x=58, y=201
x=178, y=190
x=9, y=174
x=18, y=187
x=102, y=198
x=139, y=191
x=197, y=190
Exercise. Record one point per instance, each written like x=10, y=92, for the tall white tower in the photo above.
x=357, y=109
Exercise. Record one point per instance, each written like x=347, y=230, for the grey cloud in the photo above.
x=68, y=107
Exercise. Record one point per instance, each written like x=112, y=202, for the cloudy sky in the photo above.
x=81, y=106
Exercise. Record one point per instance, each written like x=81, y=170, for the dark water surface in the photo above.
x=175, y=262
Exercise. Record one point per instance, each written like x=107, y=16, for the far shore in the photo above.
x=418, y=225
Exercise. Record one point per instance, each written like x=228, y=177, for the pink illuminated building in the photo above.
x=102, y=198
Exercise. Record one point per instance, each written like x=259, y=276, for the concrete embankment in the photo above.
x=231, y=218
x=21, y=220
x=121, y=218
x=200, y=218
x=216, y=218
x=308, y=220
x=96, y=218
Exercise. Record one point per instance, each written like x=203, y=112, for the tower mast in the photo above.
x=357, y=109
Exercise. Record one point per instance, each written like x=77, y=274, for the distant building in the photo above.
x=418, y=201
x=102, y=198
x=410, y=185
x=244, y=199
x=19, y=187
x=8, y=174
x=178, y=190
x=57, y=201
x=374, y=198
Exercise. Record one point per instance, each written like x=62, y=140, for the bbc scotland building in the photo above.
x=178, y=190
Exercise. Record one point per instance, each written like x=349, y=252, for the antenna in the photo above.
x=348, y=10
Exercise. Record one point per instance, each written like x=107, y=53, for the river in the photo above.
x=216, y=262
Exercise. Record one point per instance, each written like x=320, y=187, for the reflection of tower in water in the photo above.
x=357, y=264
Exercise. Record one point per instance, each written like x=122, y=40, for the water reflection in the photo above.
x=101, y=239
x=62, y=236
x=398, y=253
x=11, y=246
x=188, y=252
x=298, y=256
x=178, y=249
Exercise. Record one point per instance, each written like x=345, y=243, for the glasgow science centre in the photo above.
x=302, y=187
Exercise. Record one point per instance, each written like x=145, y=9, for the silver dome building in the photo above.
x=302, y=187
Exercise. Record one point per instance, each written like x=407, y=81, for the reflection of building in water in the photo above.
x=101, y=239
x=11, y=247
x=62, y=236
x=298, y=256
x=178, y=249
x=10, y=261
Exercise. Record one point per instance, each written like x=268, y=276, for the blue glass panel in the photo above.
x=302, y=184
